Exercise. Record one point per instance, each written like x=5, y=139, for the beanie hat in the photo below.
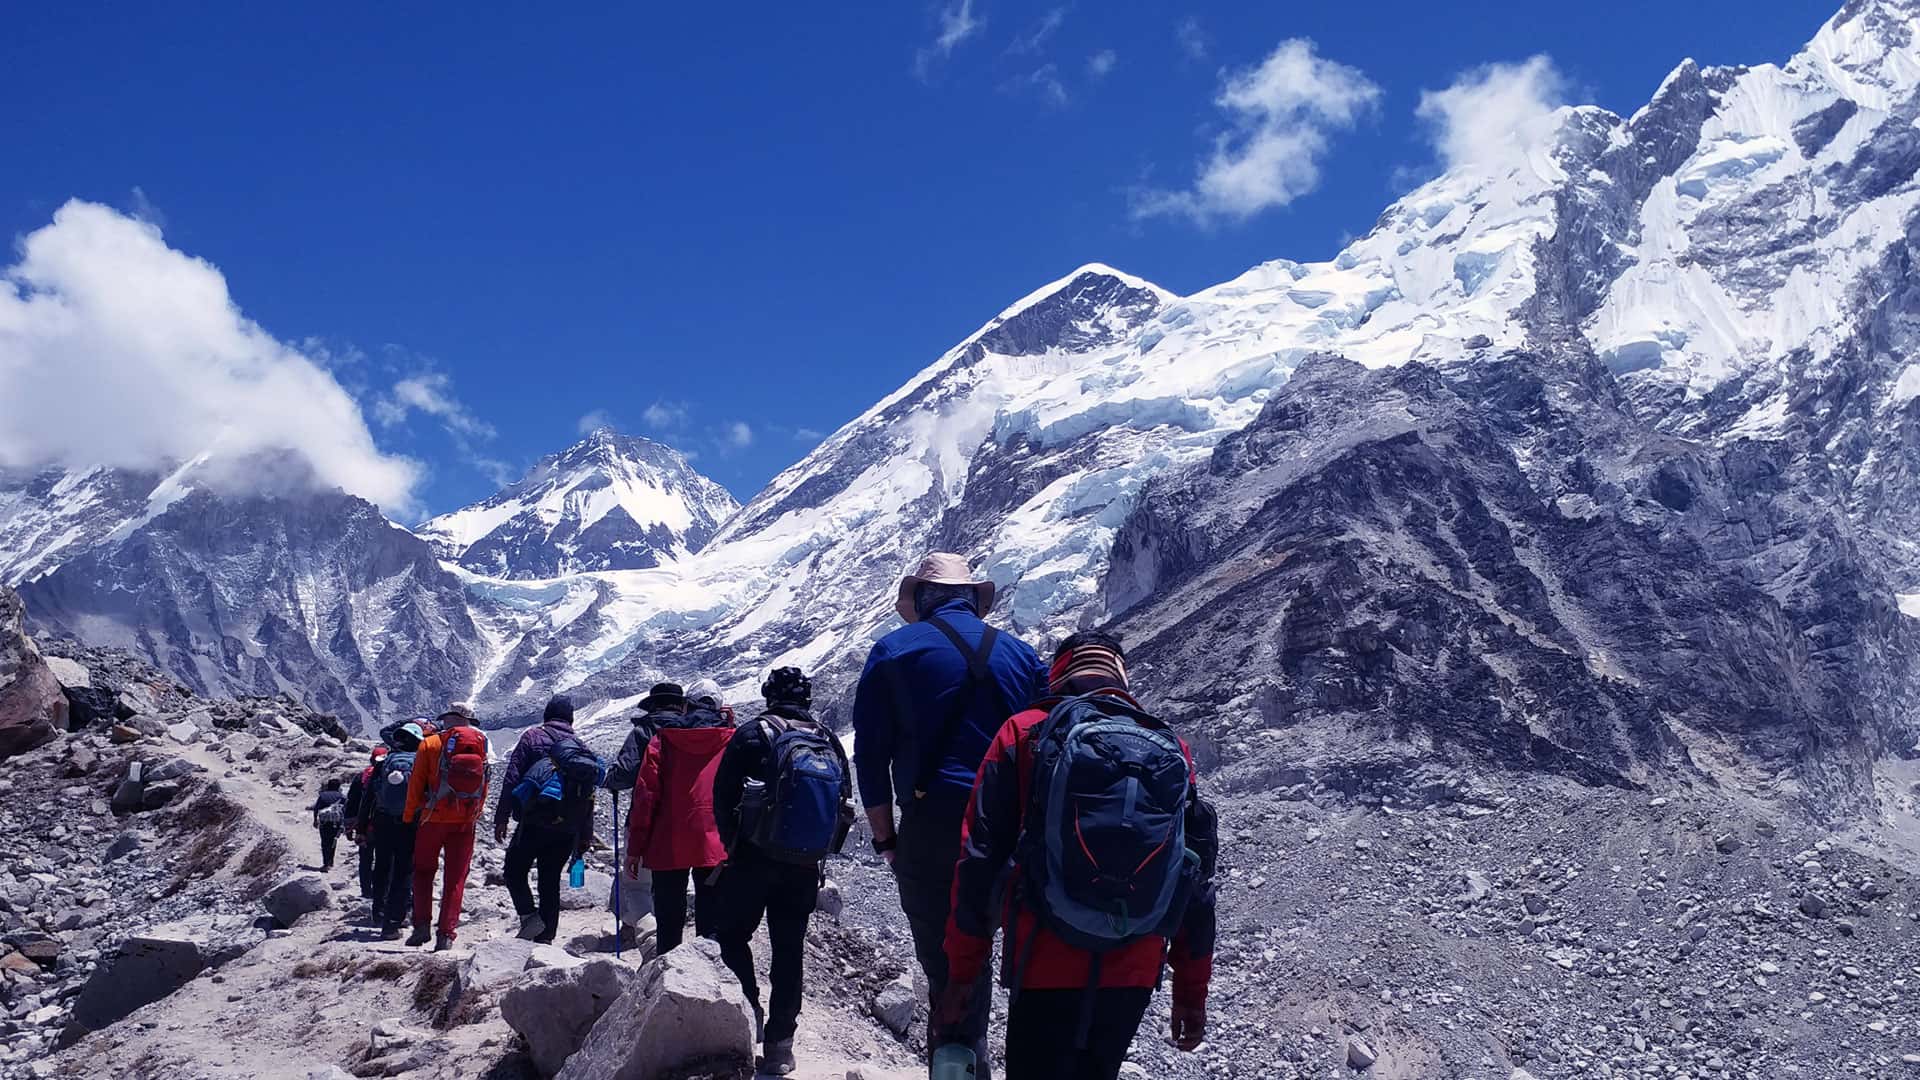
x=379, y=752
x=1091, y=655
x=559, y=707
x=788, y=686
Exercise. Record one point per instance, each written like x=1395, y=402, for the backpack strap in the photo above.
x=978, y=671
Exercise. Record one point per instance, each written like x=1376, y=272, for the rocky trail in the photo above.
x=186, y=929
x=1553, y=931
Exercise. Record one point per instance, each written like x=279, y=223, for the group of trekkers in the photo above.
x=1038, y=798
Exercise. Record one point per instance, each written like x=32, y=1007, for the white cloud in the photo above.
x=666, y=415
x=1035, y=38
x=118, y=350
x=1191, y=39
x=1281, y=115
x=430, y=392
x=1100, y=64
x=957, y=24
x=1494, y=116
x=736, y=435
x=807, y=434
x=594, y=421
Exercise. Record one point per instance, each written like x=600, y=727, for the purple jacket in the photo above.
x=535, y=743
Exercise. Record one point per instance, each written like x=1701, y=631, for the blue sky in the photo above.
x=735, y=226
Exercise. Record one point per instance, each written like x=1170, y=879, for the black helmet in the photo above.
x=788, y=686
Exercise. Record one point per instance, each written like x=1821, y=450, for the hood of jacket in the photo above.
x=706, y=739
x=697, y=716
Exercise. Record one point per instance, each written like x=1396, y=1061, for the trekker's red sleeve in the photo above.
x=987, y=837
x=646, y=798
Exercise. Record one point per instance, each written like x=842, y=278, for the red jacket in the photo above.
x=671, y=824
x=988, y=835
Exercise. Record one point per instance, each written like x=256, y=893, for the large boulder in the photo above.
x=685, y=1008
x=299, y=895
x=493, y=965
x=554, y=1008
x=32, y=705
x=145, y=969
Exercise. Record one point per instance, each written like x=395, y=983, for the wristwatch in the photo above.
x=881, y=847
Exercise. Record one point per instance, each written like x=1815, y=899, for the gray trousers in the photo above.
x=923, y=866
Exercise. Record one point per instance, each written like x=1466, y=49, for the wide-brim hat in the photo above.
x=943, y=568
x=664, y=695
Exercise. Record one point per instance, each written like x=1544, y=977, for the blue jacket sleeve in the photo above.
x=874, y=717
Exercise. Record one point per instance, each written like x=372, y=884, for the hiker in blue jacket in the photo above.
x=933, y=695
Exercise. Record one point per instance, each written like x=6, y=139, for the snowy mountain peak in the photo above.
x=608, y=502
x=1093, y=306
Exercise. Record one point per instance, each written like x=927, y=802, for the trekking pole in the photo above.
x=619, y=871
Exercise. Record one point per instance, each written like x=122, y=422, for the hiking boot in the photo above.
x=442, y=942
x=418, y=937
x=532, y=926
x=777, y=1058
x=391, y=933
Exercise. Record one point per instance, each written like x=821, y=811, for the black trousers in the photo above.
x=670, y=905
x=1042, y=1025
x=752, y=887
x=365, y=847
x=392, y=870
x=929, y=845
x=548, y=849
x=329, y=842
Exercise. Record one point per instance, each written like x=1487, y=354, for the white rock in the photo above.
x=685, y=1006
x=894, y=1005
x=554, y=1008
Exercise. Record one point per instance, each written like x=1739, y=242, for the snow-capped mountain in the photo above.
x=1735, y=256
x=609, y=502
x=291, y=589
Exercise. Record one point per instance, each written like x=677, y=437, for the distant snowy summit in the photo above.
x=609, y=502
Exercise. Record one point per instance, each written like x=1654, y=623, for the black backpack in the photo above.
x=558, y=787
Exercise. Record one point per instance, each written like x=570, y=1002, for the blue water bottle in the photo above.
x=577, y=877
x=954, y=1061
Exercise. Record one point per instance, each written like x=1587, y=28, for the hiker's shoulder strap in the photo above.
x=979, y=671
x=978, y=656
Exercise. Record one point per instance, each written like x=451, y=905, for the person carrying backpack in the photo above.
x=383, y=817
x=665, y=702
x=357, y=795
x=329, y=816
x=670, y=827
x=445, y=797
x=548, y=789
x=927, y=706
x=1094, y=802
x=783, y=802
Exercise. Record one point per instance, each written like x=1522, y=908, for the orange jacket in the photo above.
x=425, y=780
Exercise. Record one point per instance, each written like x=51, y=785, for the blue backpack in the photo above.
x=1105, y=857
x=805, y=816
x=554, y=788
x=390, y=794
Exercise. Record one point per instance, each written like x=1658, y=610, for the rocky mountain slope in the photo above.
x=178, y=927
x=311, y=593
x=610, y=502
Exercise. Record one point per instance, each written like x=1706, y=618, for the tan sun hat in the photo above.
x=943, y=568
